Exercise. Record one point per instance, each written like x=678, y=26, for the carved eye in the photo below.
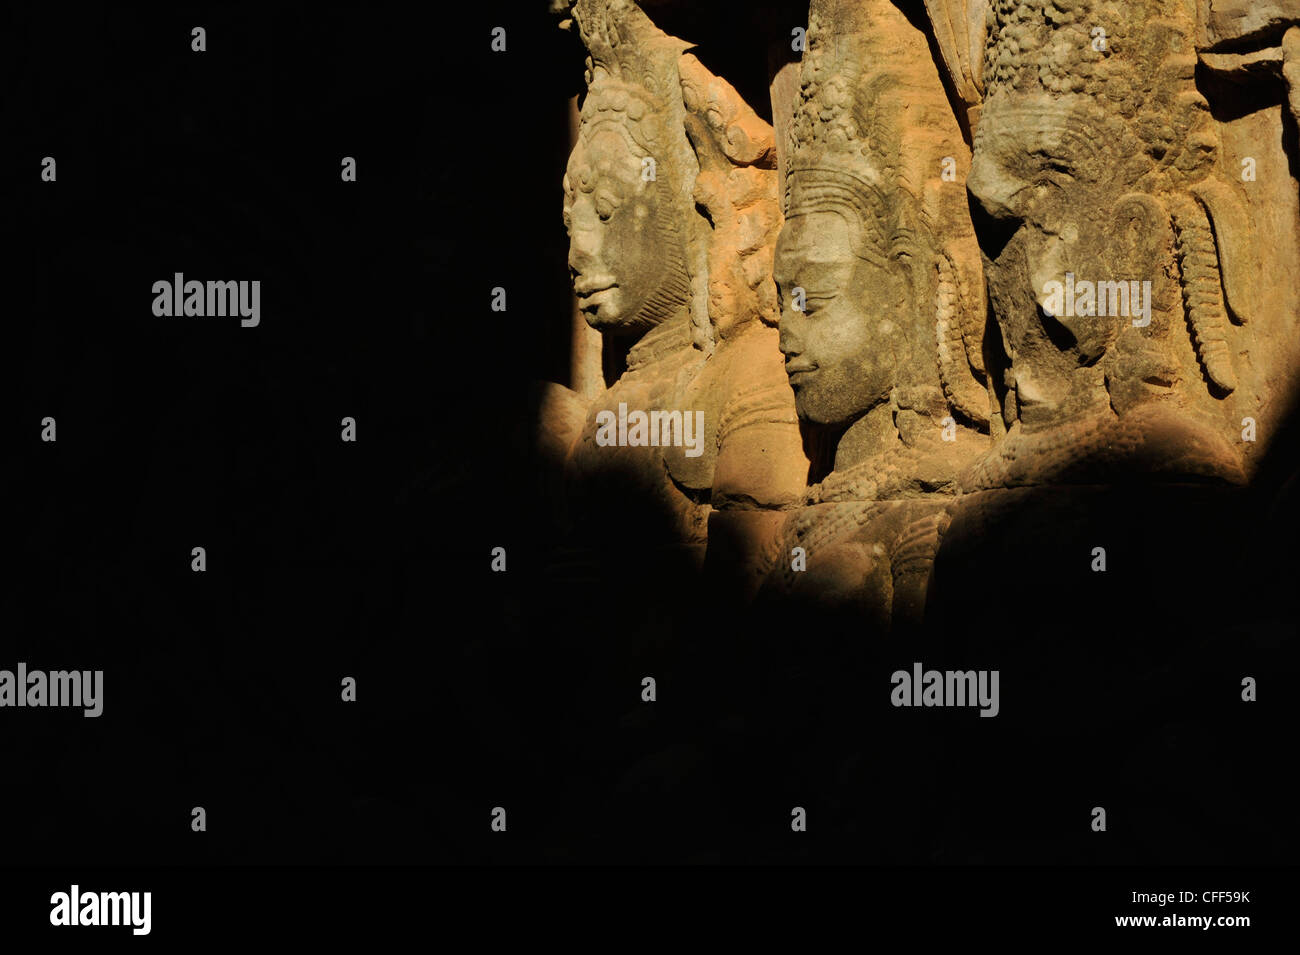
x=1052, y=164
x=604, y=209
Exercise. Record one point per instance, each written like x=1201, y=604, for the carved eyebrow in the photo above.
x=606, y=194
x=809, y=295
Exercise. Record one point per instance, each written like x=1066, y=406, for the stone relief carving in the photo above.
x=1017, y=248
x=671, y=208
x=883, y=321
x=1098, y=162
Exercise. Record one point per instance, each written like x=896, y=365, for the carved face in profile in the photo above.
x=623, y=257
x=1052, y=172
x=843, y=348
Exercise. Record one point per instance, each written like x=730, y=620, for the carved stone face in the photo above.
x=619, y=255
x=1052, y=172
x=842, y=351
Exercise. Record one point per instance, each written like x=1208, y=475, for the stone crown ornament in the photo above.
x=1135, y=59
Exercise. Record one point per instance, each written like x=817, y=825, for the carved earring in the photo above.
x=965, y=394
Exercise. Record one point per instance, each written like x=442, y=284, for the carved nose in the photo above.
x=583, y=245
x=790, y=342
x=993, y=189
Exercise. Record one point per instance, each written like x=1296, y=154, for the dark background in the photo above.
x=325, y=559
x=371, y=560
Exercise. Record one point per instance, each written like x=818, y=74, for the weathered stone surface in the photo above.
x=1031, y=244
x=883, y=321
x=1233, y=21
x=1098, y=162
x=958, y=28
x=1099, y=512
